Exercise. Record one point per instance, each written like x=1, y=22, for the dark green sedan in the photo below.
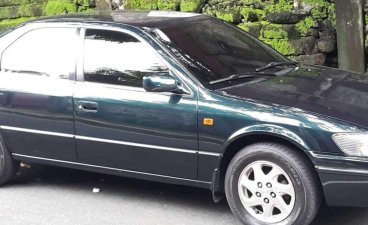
x=184, y=99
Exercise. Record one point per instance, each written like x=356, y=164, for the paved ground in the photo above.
x=48, y=195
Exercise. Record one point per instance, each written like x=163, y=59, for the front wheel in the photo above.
x=269, y=183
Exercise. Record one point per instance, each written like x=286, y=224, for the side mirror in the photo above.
x=160, y=83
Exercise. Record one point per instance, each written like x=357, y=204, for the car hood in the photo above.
x=339, y=94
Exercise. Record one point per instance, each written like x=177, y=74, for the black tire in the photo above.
x=307, y=190
x=8, y=167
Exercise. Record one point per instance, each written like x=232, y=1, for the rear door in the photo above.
x=36, y=93
x=121, y=126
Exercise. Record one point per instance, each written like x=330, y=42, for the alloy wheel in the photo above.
x=266, y=192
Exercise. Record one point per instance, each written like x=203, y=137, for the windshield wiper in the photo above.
x=241, y=76
x=274, y=64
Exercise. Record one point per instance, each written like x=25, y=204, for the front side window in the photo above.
x=117, y=58
x=46, y=52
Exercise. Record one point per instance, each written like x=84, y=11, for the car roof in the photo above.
x=151, y=19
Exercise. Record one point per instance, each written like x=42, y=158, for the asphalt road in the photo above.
x=56, y=196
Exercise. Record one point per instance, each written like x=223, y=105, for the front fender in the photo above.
x=268, y=129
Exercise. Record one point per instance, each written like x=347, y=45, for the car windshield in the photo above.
x=212, y=49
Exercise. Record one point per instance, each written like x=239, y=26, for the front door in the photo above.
x=121, y=126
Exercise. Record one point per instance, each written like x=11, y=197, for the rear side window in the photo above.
x=46, y=52
x=117, y=58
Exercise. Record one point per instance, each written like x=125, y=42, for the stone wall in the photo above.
x=14, y=12
x=304, y=30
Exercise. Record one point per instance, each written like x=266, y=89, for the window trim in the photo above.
x=72, y=72
x=80, y=60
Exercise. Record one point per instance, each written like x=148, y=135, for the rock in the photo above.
x=328, y=35
x=103, y=5
x=332, y=60
x=253, y=29
x=26, y=10
x=281, y=13
x=282, y=17
x=252, y=15
x=325, y=24
x=326, y=46
x=315, y=59
x=117, y=4
x=314, y=33
x=10, y=2
x=89, y=3
x=304, y=46
x=19, y=2
x=302, y=9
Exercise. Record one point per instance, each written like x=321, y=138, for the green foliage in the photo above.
x=248, y=26
x=254, y=2
x=332, y=14
x=148, y=5
x=305, y=25
x=319, y=13
x=8, y=12
x=209, y=11
x=274, y=31
x=191, y=5
x=253, y=29
x=232, y=16
x=252, y=15
x=8, y=24
x=244, y=27
x=314, y=2
x=281, y=6
x=59, y=7
x=168, y=5
x=282, y=46
x=14, y=12
x=84, y=6
x=320, y=8
x=132, y=4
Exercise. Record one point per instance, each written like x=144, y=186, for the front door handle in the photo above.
x=87, y=106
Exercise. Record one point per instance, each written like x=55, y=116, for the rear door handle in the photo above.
x=87, y=106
